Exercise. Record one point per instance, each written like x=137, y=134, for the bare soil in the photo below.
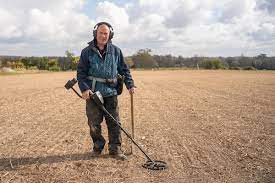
x=209, y=126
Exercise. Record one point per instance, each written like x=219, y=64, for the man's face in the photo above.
x=102, y=35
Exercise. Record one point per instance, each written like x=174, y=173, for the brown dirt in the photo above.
x=209, y=126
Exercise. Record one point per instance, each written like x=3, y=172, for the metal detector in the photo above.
x=98, y=99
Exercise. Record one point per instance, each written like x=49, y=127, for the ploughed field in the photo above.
x=209, y=126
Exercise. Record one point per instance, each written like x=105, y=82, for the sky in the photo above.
x=176, y=27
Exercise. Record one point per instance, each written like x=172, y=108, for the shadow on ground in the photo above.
x=11, y=163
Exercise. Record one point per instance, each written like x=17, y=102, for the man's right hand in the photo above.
x=86, y=94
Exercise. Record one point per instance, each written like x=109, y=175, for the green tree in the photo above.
x=129, y=62
x=212, y=64
x=74, y=62
x=53, y=65
x=17, y=64
x=44, y=63
x=52, y=62
x=69, y=60
x=27, y=63
x=69, y=54
x=143, y=59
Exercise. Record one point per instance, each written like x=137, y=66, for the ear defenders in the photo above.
x=111, y=35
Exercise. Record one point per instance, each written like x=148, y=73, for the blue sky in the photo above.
x=178, y=27
x=90, y=6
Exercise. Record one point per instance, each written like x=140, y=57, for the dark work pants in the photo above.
x=95, y=117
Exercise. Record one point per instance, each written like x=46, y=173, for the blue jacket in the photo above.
x=91, y=63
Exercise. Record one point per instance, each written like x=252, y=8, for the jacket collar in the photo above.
x=92, y=45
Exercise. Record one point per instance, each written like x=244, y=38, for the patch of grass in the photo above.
x=23, y=72
x=163, y=68
x=235, y=68
x=8, y=73
x=249, y=68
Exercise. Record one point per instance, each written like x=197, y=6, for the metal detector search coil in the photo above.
x=155, y=165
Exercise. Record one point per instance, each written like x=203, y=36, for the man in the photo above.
x=97, y=70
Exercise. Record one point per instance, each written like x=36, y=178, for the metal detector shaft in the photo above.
x=76, y=92
x=127, y=134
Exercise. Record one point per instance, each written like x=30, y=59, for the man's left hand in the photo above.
x=131, y=90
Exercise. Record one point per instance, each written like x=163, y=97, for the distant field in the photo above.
x=209, y=126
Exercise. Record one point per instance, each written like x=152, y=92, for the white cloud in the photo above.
x=110, y=12
x=52, y=5
x=180, y=27
x=210, y=27
x=53, y=25
x=8, y=24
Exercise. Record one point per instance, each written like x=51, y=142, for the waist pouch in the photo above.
x=119, y=86
x=117, y=82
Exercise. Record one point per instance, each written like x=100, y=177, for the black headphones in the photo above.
x=111, y=35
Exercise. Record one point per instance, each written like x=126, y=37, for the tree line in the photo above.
x=144, y=59
x=68, y=62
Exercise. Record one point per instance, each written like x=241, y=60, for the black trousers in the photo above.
x=95, y=117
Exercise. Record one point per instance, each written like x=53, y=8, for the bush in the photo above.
x=54, y=68
x=33, y=68
x=6, y=70
x=17, y=65
x=249, y=68
x=212, y=64
x=235, y=68
x=143, y=59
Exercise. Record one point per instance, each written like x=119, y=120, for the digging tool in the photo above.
x=98, y=99
x=132, y=120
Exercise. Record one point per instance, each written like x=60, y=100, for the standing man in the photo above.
x=97, y=70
